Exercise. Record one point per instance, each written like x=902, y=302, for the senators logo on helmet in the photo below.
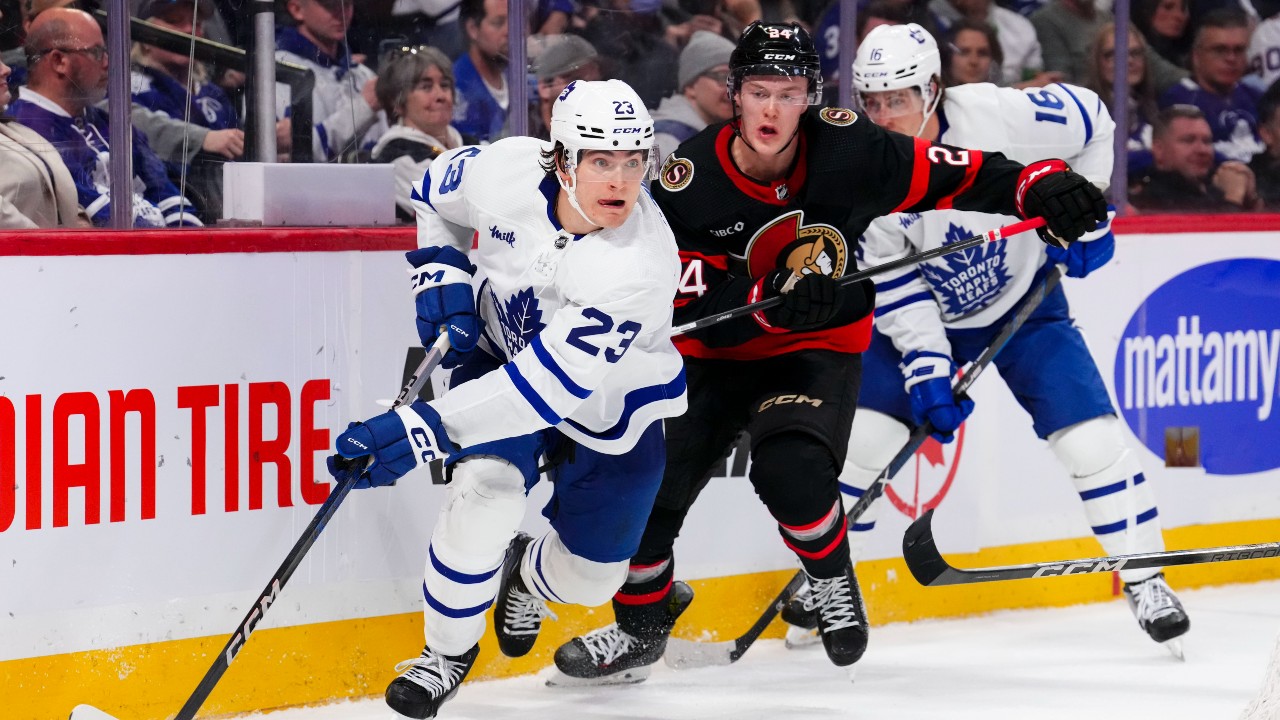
x=788, y=242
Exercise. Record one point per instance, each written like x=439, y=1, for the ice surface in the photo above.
x=1089, y=661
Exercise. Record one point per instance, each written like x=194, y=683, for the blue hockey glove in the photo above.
x=929, y=385
x=1090, y=252
x=444, y=297
x=1070, y=205
x=399, y=441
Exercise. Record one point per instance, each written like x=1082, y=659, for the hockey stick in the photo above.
x=989, y=236
x=686, y=654
x=350, y=472
x=932, y=570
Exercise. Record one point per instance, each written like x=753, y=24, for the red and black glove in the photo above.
x=1070, y=205
x=808, y=302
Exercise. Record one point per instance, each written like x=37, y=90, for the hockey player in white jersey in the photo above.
x=560, y=320
x=948, y=310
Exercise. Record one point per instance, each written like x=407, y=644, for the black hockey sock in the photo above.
x=638, y=605
x=822, y=545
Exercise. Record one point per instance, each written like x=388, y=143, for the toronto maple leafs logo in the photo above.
x=968, y=280
x=521, y=319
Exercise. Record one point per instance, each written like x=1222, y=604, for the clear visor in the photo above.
x=763, y=83
x=615, y=166
x=889, y=104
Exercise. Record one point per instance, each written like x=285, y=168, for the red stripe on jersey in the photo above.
x=718, y=261
x=852, y=338
x=835, y=543
x=919, y=175
x=644, y=599
x=764, y=192
x=970, y=174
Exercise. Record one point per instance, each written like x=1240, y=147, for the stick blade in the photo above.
x=688, y=654
x=921, y=553
x=89, y=712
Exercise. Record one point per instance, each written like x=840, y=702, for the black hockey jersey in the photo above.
x=732, y=229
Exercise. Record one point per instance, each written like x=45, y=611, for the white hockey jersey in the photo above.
x=975, y=288
x=583, y=322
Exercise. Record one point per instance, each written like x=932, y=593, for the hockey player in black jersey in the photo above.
x=766, y=204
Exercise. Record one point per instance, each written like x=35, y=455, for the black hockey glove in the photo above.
x=1070, y=205
x=809, y=302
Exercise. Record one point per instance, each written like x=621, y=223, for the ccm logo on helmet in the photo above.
x=625, y=130
x=779, y=56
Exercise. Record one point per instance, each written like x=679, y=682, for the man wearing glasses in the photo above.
x=67, y=63
x=1218, y=63
x=701, y=99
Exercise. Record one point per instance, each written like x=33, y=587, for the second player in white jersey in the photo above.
x=976, y=288
x=559, y=314
x=947, y=311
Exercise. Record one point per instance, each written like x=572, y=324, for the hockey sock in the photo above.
x=822, y=545
x=638, y=605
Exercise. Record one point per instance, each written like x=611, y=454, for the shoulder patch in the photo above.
x=677, y=173
x=838, y=116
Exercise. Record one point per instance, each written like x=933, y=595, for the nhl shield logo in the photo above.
x=788, y=242
x=838, y=116
x=677, y=173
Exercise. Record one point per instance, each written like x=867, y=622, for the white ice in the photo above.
x=1088, y=661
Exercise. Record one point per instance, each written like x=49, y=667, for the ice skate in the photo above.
x=517, y=614
x=802, y=624
x=427, y=681
x=1158, y=612
x=842, y=616
x=612, y=656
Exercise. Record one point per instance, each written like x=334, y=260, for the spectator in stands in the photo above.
x=416, y=85
x=481, y=73
x=427, y=22
x=569, y=58
x=167, y=82
x=1266, y=164
x=1218, y=64
x=67, y=63
x=703, y=98
x=36, y=190
x=1016, y=41
x=630, y=37
x=1164, y=24
x=1183, y=178
x=1142, y=106
x=1066, y=29
x=970, y=53
x=16, y=58
x=346, y=111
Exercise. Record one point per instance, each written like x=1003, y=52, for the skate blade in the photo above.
x=89, y=712
x=852, y=671
x=1174, y=647
x=798, y=637
x=625, y=677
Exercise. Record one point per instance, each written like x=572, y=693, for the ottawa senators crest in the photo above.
x=838, y=116
x=677, y=173
x=788, y=242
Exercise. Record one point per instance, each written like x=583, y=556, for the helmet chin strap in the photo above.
x=571, y=192
x=936, y=97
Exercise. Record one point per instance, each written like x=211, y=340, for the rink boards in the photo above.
x=167, y=399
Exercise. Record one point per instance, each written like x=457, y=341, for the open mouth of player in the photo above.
x=767, y=132
x=613, y=204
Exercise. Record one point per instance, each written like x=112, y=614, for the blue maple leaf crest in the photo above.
x=968, y=280
x=521, y=319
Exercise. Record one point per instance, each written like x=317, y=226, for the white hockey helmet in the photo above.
x=601, y=115
x=893, y=57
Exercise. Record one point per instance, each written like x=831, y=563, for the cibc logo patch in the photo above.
x=1203, y=351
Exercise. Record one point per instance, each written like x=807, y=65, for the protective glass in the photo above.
x=762, y=91
x=890, y=104
x=615, y=166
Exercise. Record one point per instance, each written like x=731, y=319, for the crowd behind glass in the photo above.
x=401, y=81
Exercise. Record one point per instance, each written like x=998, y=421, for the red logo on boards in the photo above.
x=923, y=483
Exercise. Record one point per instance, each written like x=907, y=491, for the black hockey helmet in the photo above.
x=776, y=49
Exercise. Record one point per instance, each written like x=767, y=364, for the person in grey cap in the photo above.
x=571, y=58
x=703, y=97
